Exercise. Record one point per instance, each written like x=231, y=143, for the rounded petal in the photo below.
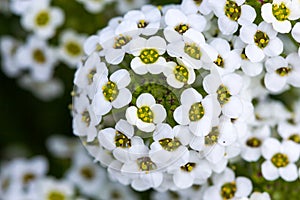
x=270, y=147
x=124, y=127
x=131, y=115
x=289, y=173
x=274, y=48
x=190, y=96
x=274, y=82
x=181, y=115
x=145, y=99
x=143, y=126
x=269, y=171
x=233, y=108
x=124, y=98
x=244, y=187
x=183, y=179
x=121, y=78
x=254, y=53
x=159, y=113
x=100, y=105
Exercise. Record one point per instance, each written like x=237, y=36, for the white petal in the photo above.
x=100, y=105
x=183, y=134
x=254, y=53
x=274, y=82
x=233, y=108
x=121, y=78
x=227, y=26
x=211, y=83
x=228, y=134
x=114, y=56
x=291, y=150
x=269, y=171
x=289, y=173
x=183, y=179
x=145, y=99
x=201, y=127
x=190, y=96
x=270, y=147
x=131, y=115
x=251, y=154
x=274, y=48
x=172, y=81
x=247, y=33
x=124, y=127
x=159, y=113
x=248, y=15
x=244, y=187
x=282, y=26
x=158, y=43
x=181, y=115
x=138, y=67
x=124, y=98
x=146, y=127
x=174, y=17
x=106, y=138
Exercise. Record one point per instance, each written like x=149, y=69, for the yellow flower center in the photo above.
x=196, y=112
x=283, y=71
x=42, y=18
x=56, y=195
x=169, y=144
x=181, y=73
x=146, y=164
x=121, y=41
x=280, y=160
x=142, y=24
x=280, y=11
x=228, y=190
x=193, y=50
x=182, y=28
x=253, y=142
x=110, y=91
x=87, y=172
x=261, y=39
x=145, y=114
x=232, y=10
x=73, y=48
x=188, y=167
x=149, y=56
x=295, y=138
x=223, y=94
x=219, y=61
x=39, y=56
x=122, y=140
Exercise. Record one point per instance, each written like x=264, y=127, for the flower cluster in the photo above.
x=168, y=97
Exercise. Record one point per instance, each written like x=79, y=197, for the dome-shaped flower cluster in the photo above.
x=166, y=96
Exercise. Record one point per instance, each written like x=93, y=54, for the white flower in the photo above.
x=251, y=144
x=115, y=41
x=9, y=63
x=92, y=44
x=94, y=6
x=50, y=188
x=146, y=114
x=279, y=13
x=148, y=55
x=196, y=112
x=194, y=171
x=193, y=50
x=61, y=146
x=227, y=60
x=169, y=144
x=119, y=140
x=85, y=75
x=231, y=13
x=261, y=40
x=226, y=90
x=147, y=19
x=289, y=131
x=280, y=160
x=84, y=174
x=45, y=91
x=193, y=7
x=282, y=72
x=250, y=68
x=143, y=171
x=179, y=23
x=179, y=74
x=226, y=186
x=42, y=19
x=38, y=57
x=70, y=48
x=84, y=119
x=112, y=92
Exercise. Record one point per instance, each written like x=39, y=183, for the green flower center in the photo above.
x=146, y=164
x=73, y=48
x=212, y=137
x=87, y=172
x=223, y=94
x=42, y=18
x=181, y=73
x=182, y=28
x=232, y=10
x=142, y=24
x=39, y=56
x=169, y=144
x=121, y=41
x=145, y=114
x=110, y=91
x=193, y=50
x=122, y=140
x=261, y=39
x=295, y=138
x=219, y=61
x=283, y=71
x=188, y=167
x=253, y=142
x=280, y=160
x=56, y=195
x=149, y=56
x=90, y=76
x=198, y=2
x=228, y=190
x=196, y=112
x=28, y=177
x=86, y=118
x=280, y=12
